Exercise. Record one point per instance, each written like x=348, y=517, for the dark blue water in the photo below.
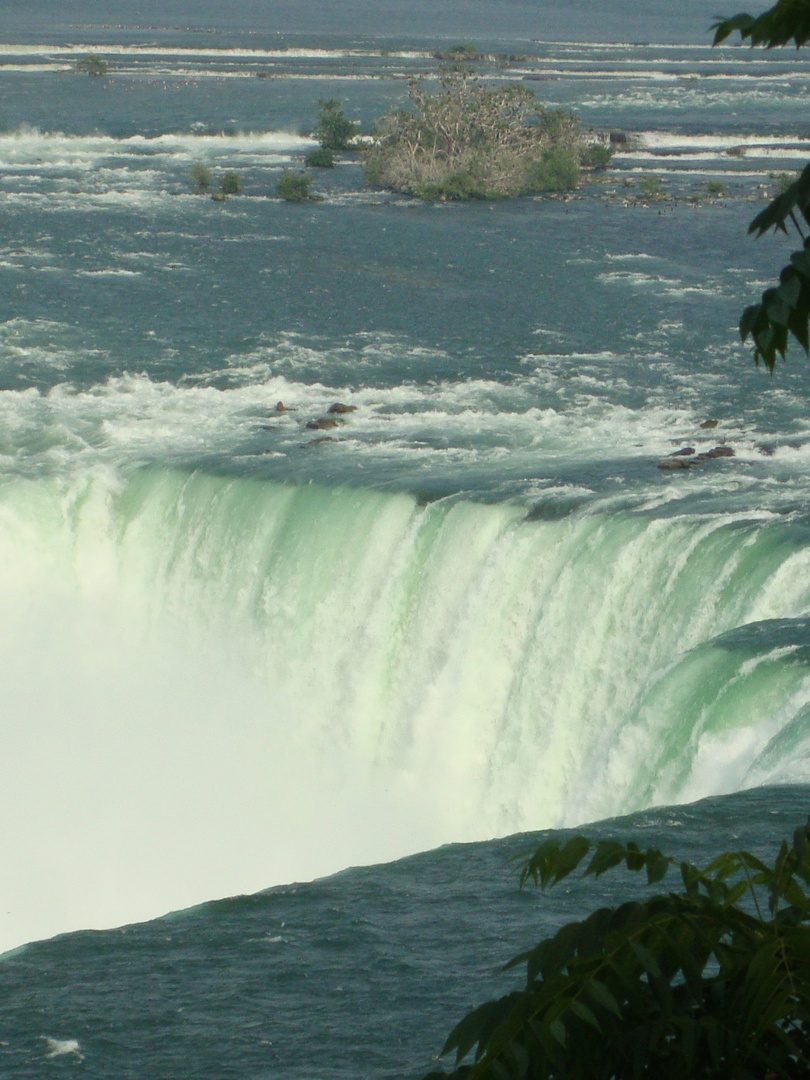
x=358, y=975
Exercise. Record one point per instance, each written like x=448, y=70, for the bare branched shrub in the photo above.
x=468, y=140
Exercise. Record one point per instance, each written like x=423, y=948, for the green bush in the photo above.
x=231, y=184
x=92, y=65
x=711, y=980
x=456, y=53
x=320, y=158
x=556, y=170
x=715, y=187
x=460, y=184
x=294, y=187
x=201, y=176
x=333, y=130
x=596, y=156
x=652, y=188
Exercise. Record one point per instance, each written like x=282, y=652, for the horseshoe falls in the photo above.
x=219, y=683
x=336, y=561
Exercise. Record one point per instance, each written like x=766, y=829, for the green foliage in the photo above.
x=709, y=981
x=92, y=65
x=231, y=184
x=294, y=187
x=463, y=53
x=460, y=184
x=556, y=170
x=784, y=310
x=786, y=21
x=333, y=130
x=320, y=158
x=783, y=180
x=470, y=140
x=201, y=176
x=596, y=156
x=715, y=187
x=652, y=188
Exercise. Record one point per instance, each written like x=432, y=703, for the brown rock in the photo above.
x=719, y=451
x=685, y=451
x=323, y=423
x=340, y=408
x=674, y=463
x=707, y=425
x=280, y=406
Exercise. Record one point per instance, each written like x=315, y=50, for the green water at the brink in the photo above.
x=238, y=652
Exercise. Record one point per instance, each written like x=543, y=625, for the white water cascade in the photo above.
x=214, y=685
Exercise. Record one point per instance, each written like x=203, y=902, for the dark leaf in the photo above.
x=600, y=995
x=609, y=853
x=570, y=857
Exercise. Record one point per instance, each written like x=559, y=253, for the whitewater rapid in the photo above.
x=217, y=684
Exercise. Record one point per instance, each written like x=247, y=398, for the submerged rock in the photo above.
x=340, y=408
x=686, y=457
x=323, y=423
x=707, y=425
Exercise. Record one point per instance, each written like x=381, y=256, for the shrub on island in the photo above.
x=596, y=155
x=333, y=131
x=201, y=176
x=653, y=189
x=92, y=65
x=465, y=52
x=231, y=184
x=320, y=158
x=294, y=187
x=471, y=141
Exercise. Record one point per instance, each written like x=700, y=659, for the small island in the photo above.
x=469, y=140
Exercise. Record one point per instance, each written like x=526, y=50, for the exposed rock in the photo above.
x=618, y=138
x=323, y=423
x=219, y=196
x=685, y=451
x=675, y=463
x=707, y=425
x=719, y=451
x=281, y=407
x=340, y=408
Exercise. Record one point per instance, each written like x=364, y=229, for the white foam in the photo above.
x=666, y=140
x=80, y=50
x=29, y=146
x=62, y=1047
x=110, y=271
